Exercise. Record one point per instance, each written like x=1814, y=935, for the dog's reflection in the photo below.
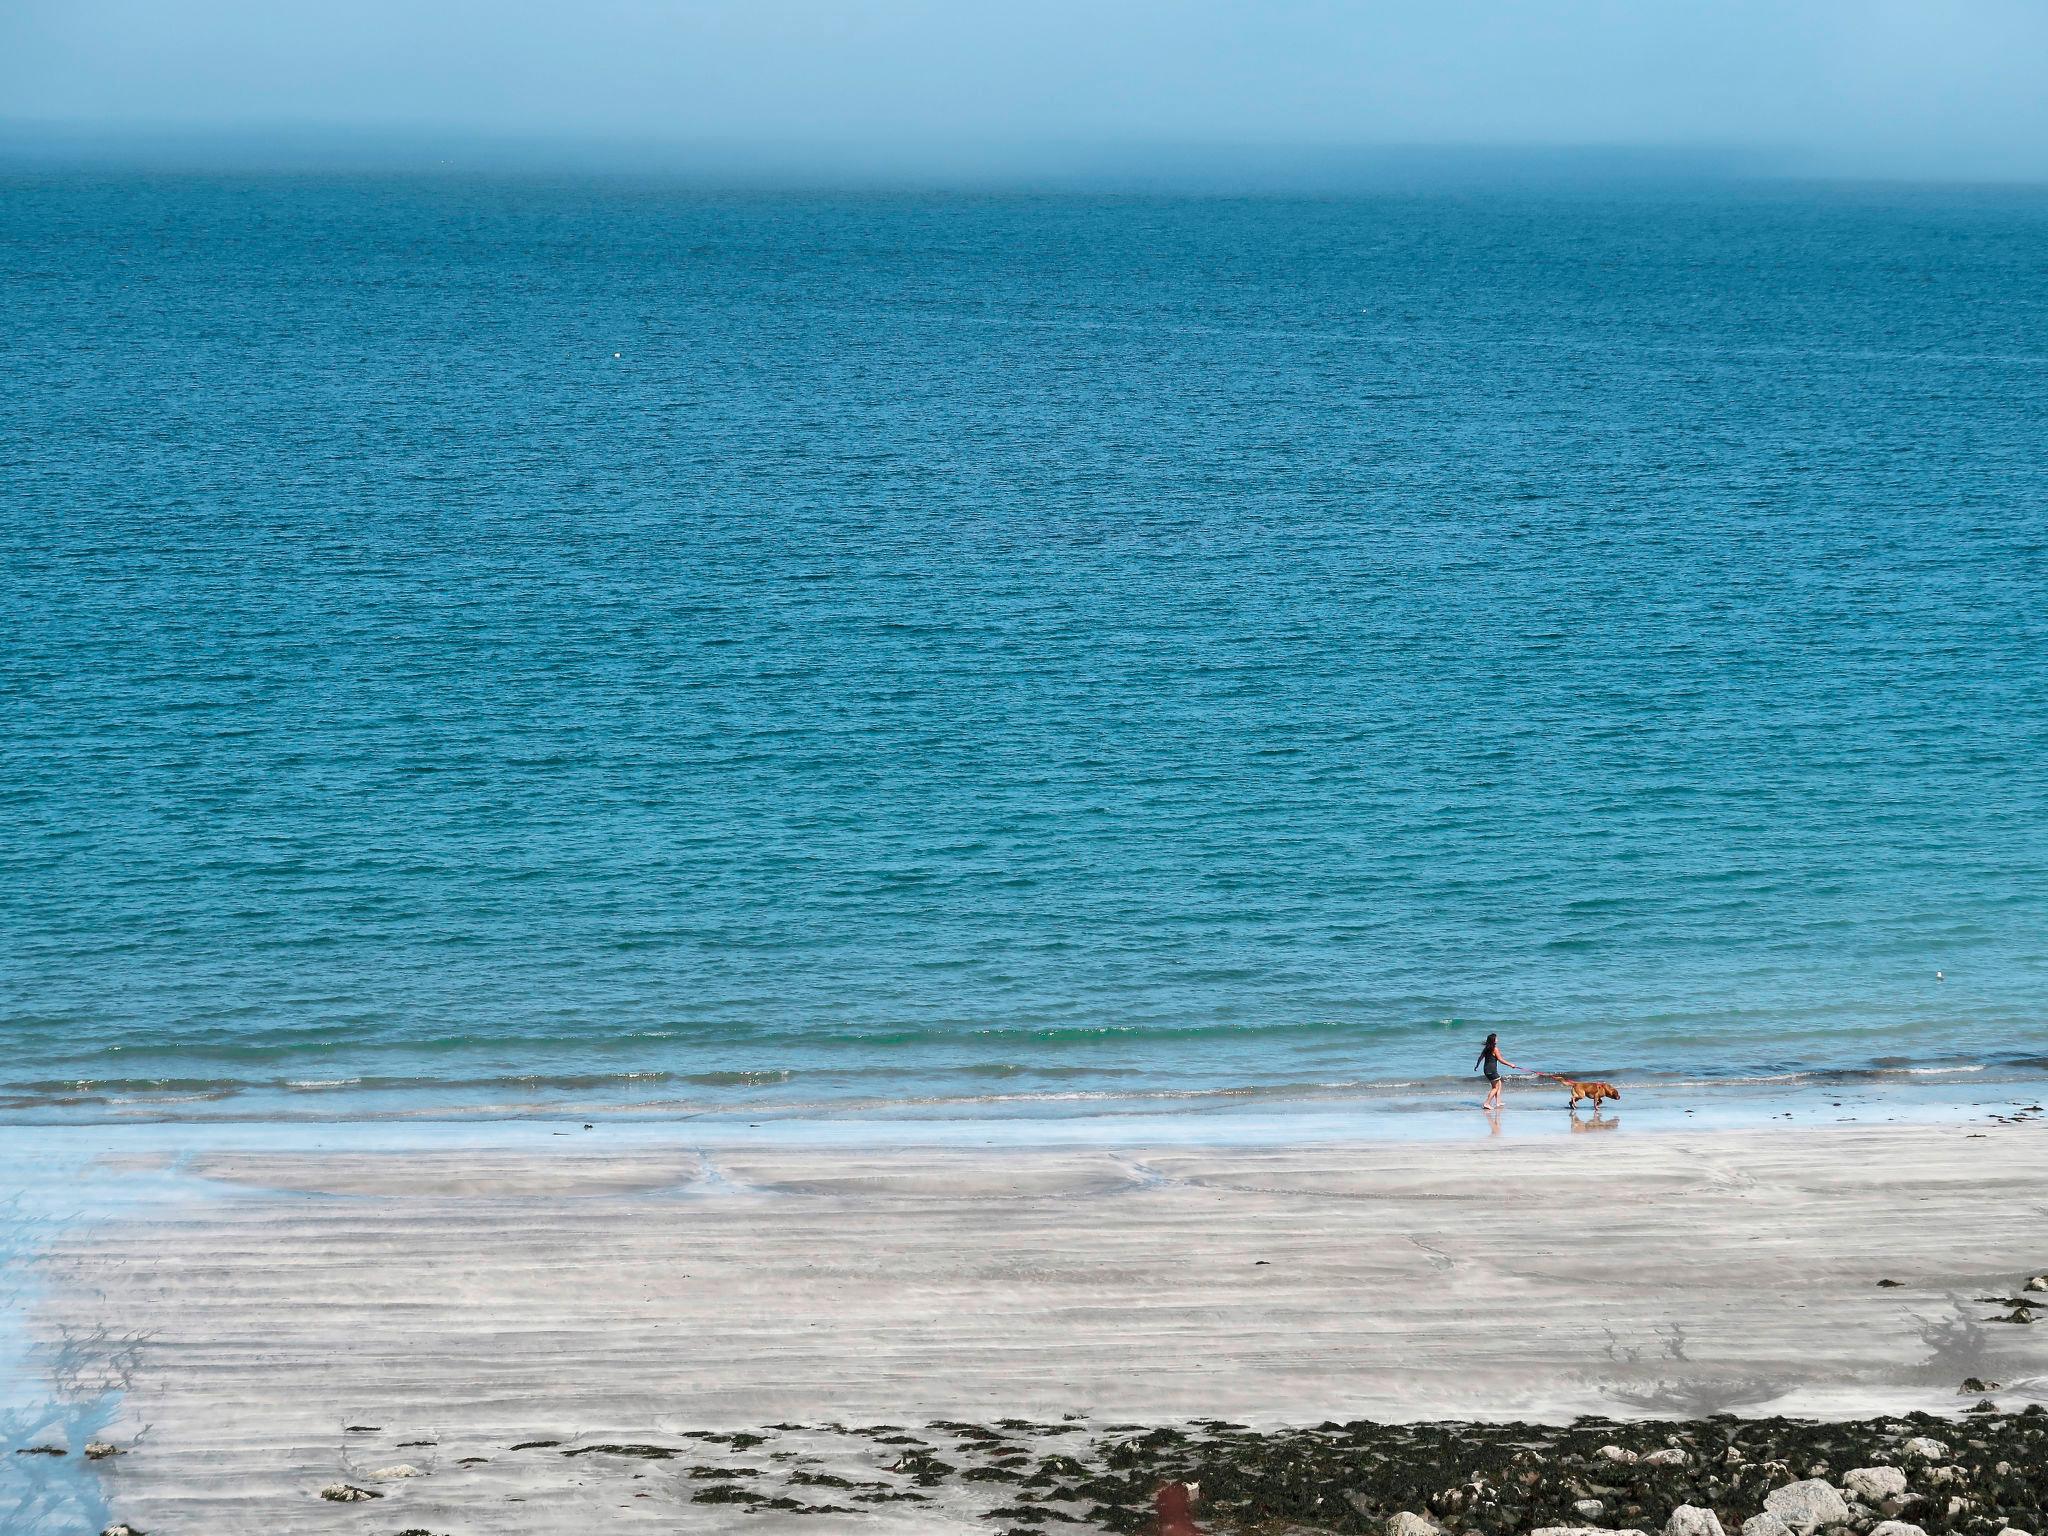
x=1599, y=1122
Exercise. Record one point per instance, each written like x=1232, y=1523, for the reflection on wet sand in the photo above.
x=1599, y=1122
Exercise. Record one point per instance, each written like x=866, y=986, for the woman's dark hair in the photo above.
x=1486, y=1050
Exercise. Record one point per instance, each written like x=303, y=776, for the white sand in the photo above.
x=481, y=1295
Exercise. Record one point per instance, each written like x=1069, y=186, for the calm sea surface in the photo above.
x=514, y=643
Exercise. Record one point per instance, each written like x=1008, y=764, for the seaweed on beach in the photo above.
x=1501, y=1479
x=640, y=1452
x=1970, y=1475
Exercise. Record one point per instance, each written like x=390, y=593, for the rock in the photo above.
x=1874, y=1484
x=1691, y=1520
x=2010, y=1530
x=1616, y=1453
x=1406, y=1524
x=1589, y=1509
x=347, y=1493
x=1925, y=1448
x=1974, y=1386
x=122, y=1528
x=1807, y=1506
x=403, y=1469
x=1584, y=1530
x=1765, y=1525
x=1895, y=1528
x=2038, y=1283
x=1670, y=1456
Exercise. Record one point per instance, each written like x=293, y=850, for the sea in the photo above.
x=520, y=646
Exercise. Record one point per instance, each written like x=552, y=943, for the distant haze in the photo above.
x=1064, y=87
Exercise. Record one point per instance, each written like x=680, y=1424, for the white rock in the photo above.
x=2013, y=1530
x=1925, y=1448
x=120, y=1528
x=1872, y=1484
x=100, y=1450
x=1895, y=1528
x=1765, y=1525
x=2038, y=1283
x=1691, y=1520
x=346, y=1493
x=1807, y=1506
x=1405, y=1524
x=1670, y=1456
x=1589, y=1509
x=1585, y=1530
x=403, y=1469
x=1616, y=1453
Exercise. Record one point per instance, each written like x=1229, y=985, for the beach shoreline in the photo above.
x=793, y=1106
x=236, y=1297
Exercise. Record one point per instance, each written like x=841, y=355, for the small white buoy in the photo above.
x=1939, y=977
x=618, y=354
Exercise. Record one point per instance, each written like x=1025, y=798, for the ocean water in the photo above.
x=504, y=645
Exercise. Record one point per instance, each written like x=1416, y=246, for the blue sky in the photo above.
x=1868, y=86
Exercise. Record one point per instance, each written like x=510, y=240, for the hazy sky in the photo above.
x=1883, y=86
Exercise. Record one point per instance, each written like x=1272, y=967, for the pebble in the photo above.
x=1925, y=1447
x=1874, y=1483
x=1807, y=1506
x=1691, y=1520
x=100, y=1450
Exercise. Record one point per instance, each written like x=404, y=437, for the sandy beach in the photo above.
x=325, y=1306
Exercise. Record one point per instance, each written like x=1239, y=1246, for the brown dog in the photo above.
x=1592, y=1093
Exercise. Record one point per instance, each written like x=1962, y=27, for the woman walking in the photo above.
x=1490, y=1062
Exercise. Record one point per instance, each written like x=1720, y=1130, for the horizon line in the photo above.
x=914, y=162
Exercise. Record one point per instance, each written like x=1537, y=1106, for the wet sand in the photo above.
x=455, y=1299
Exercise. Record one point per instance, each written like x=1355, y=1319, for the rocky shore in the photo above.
x=1981, y=1475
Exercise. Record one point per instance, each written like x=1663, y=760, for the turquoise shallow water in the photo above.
x=511, y=643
